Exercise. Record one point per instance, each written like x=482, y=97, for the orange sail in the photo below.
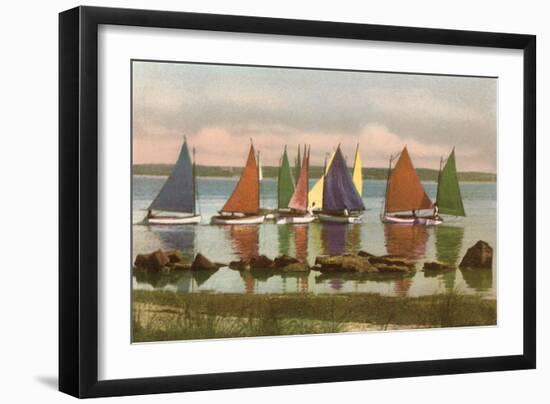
x=404, y=191
x=298, y=200
x=246, y=195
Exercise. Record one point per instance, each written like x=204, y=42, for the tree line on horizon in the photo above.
x=369, y=173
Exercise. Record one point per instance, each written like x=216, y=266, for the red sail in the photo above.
x=246, y=195
x=298, y=200
x=404, y=190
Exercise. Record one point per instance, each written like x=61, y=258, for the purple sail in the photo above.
x=339, y=192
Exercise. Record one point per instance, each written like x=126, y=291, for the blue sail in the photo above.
x=339, y=192
x=178, y=193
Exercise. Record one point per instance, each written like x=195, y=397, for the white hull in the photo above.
x=270, y=216
x=237, y=219
x=195, y=219
x=324, y=217
x=295, y=219
x=421, y=220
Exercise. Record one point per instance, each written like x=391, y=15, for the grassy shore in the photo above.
x=167, y=316
x=370, y=173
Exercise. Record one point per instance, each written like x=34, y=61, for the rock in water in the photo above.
x=284, y=260
x=157, y=260
x=142, y=261
x=437, y=266
x=202, y=263
x=344, y=263
x=261, y=262
x=296, y=267
x=175, y=256
x=240, y=265
x=480, y=255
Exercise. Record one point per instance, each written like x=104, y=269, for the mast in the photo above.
x=323, y=178
x=387, y=184
x=259, y=180
x=194, y=184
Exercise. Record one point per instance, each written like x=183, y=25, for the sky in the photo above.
x=220, y=107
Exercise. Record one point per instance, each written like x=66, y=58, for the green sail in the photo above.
x=449, y=200
x=285, y=184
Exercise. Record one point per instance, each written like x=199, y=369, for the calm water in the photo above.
x=445, y=243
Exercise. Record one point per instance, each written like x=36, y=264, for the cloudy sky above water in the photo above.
x=220, y=107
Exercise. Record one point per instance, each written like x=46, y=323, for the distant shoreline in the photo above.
x=369, y=173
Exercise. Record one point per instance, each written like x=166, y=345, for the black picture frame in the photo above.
x=78, y=200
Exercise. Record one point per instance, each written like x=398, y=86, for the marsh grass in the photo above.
x=164, y=316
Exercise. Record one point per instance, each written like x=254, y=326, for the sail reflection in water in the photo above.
x=178, y=238
x=407, y=241
x=448, y=245
x=245, y=240
x=337, y=238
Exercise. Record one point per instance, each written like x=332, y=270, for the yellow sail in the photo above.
x=357, y=172
x=315, y=196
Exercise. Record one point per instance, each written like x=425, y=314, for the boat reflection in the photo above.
x=245, y=240
x=448, y=245
x=407, y=241
x=176, y=238
x=337, y=239
x=300, y=241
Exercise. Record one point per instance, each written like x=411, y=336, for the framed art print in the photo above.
x=250, y=201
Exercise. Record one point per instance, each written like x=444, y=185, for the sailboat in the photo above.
x=285, y=184
x=178, y=195
x=341, y=200
x=243, y=206
x=298, y=203
x=405, y=193
x=449, y=198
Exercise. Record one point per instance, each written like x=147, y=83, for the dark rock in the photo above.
x=284, y=260
x=437, y=266
x=480, y=255
x=142, y=261
x=157, y=260
x=240, y=265
x=260, y=262
x=201, y=263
